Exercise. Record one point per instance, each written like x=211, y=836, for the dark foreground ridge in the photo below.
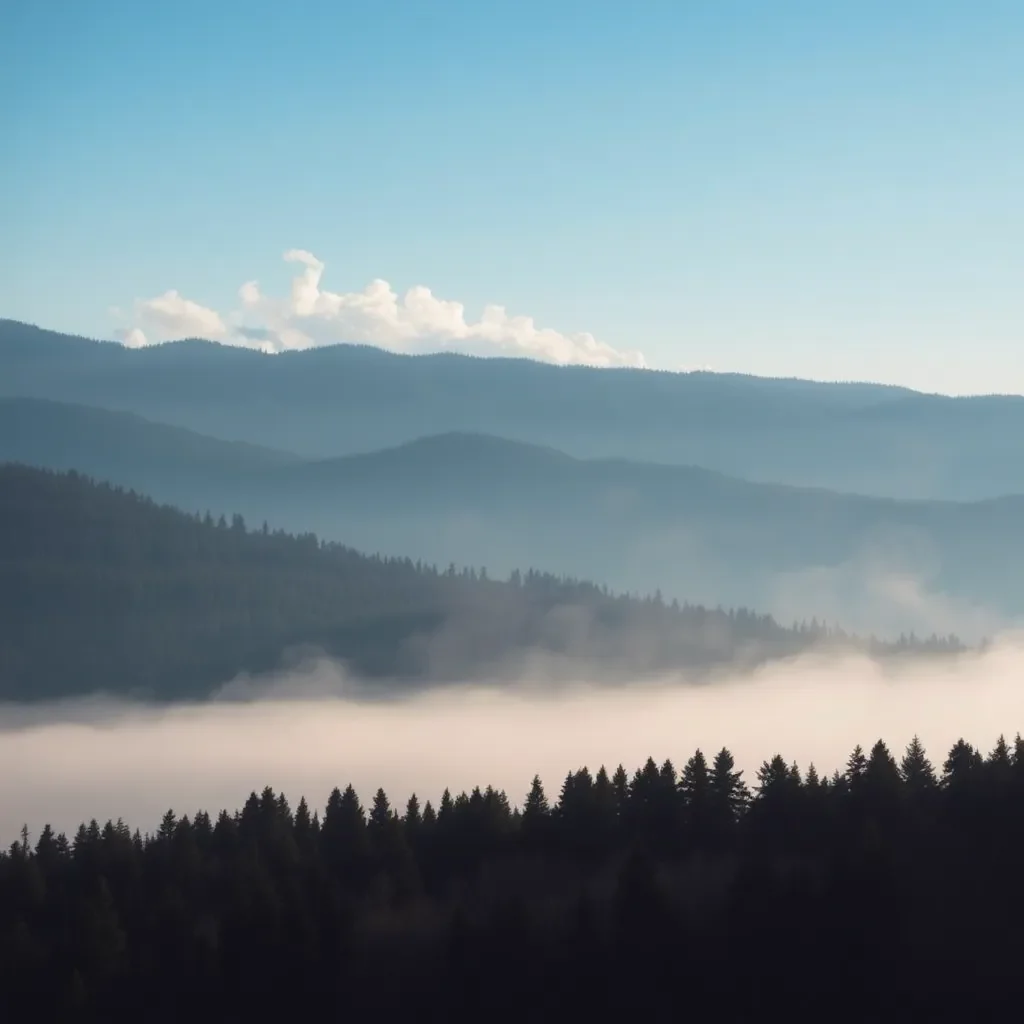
x=103, y=590
x=883, y=893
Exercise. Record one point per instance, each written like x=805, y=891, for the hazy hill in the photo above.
x=121, y=446
x=102, y=590
x=875, y=564
x=345, y=399
x=881, y=564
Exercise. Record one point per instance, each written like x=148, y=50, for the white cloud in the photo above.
x=133, y=338
x=249, y=293
x=173, y=316
x=419, y=321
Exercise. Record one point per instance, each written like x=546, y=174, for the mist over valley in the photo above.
x=309, y=728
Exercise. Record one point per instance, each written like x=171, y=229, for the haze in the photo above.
x=307, y=732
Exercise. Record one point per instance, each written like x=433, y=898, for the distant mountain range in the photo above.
x=347, y=399
x=873, y=563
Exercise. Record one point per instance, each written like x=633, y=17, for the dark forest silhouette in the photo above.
x=887, y=891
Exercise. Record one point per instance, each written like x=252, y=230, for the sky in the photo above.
x=830, y=191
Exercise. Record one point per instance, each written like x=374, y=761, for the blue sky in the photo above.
x=796, y=188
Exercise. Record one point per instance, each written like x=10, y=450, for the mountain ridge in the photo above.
x=8, y=325
x=323, y=403
x=19, y=415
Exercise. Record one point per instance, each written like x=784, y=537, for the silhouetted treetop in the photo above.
x=599, y=903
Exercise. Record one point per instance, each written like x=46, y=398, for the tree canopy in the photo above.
x=888, y=892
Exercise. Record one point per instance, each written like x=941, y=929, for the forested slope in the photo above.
x=637, y=527
x=104, y=590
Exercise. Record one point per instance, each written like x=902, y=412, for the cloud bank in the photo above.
x=307, y=731
x=311, y=316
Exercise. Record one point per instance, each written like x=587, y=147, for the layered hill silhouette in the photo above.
x=121, y=445
x=880, y=565
x=102, y=590
x=345, y=399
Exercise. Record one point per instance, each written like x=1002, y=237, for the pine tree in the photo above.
x=303, y=828
x=380, y=813
x=413, y=819
x=776, y=779
x=644, y=791
x=916, y=770
x=62, y=845
x=999, y=763
x=856, y=766
x=882, y=774
x=575, y=811
x=727, y=798
x=620, y=784
x=727, y=788
x=46, y=847
x=202, y=827
x=536, y=814
x=536, y=805
x=962, y=765
x=283, y=811
x=1017, y=758
x=429, y=817
x=564, y=807
x=343, y=833
x=303, y=821
x=697, y=800
x=605, y=806
x=168, y=824
x=446, y=810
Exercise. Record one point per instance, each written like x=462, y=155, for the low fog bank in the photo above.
x=314, y=728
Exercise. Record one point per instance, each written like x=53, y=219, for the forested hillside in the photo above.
x=637, y=527
x=104, y=590
x=890, y=891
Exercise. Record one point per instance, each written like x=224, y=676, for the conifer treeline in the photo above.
x=888, y=889
x=104, y=590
